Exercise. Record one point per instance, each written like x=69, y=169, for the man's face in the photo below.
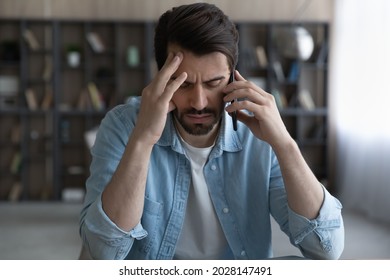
x=199, y=104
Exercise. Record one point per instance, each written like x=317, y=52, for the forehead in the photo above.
x=208, y=64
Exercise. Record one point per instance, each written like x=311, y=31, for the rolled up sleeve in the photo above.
x=323, y=237
x=103, y=238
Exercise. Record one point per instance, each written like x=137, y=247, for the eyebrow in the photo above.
x=205, y=82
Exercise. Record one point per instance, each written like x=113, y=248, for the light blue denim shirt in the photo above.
x=245, y=185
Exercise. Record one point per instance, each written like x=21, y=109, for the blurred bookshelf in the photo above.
x=299, y=83
x=58, y=78
x=55, y=85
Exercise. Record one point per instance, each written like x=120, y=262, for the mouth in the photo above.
x=199, y=118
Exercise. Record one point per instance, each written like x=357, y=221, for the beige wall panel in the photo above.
x=22, y=8
x=258, y=10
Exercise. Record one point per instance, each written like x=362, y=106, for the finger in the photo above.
x=246, y=94
x=173, y=86
x=239, y=82
x=171, y=65
x=238, y=76
x=244, y=117
x=255, y=109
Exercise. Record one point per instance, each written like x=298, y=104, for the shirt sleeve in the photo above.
x=104, y=239
x=320, y=238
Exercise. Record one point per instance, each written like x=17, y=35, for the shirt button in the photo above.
x=243, y=253
x=225, y=210
x=213, y=167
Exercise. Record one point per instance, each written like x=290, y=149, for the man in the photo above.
x=171, y=178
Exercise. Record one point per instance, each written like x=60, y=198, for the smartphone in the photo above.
x=233, y=114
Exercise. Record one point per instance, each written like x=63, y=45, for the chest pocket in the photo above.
x=150, y=221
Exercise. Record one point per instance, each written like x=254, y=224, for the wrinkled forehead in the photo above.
x=200, y=68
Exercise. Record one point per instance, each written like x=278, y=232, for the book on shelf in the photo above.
x=293, y=74
x=47, y=98
x=16, y=133
x=16, y=163
x=306, y=100
x=84, y=101
x=96, y=97
x=322, y=55
x=31, y=39
x=261, y=56
x=47, y=72
x=280, y=99
x=31, y=99
x=95, y=42
x=15, y=192
x=278, y=69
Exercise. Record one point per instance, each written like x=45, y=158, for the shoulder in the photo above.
x=125, y=114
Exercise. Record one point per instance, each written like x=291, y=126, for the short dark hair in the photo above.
x=201, y=28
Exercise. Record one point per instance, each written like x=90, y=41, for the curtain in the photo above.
x=359, y=86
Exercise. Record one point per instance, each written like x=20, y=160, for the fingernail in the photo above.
x=179, y=55
x=176, y=58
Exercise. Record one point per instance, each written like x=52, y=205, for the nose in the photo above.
x=198, y=99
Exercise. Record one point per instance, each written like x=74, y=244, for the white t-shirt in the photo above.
x=202, y=236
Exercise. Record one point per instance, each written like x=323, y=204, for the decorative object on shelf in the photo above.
x=294, y=42
x=9, y=85
x=73, y=194
x=133, y=59
x=73, y=55
x=9, y=88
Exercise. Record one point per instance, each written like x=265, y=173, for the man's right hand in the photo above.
x=156, y=101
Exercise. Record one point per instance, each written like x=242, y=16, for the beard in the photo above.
x=197, y=129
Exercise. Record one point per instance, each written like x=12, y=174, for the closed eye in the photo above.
x=185, y=85
x=214, y=83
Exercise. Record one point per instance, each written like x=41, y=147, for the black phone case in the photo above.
x=234, y=114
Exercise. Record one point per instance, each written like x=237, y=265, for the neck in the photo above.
x=198, y=141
